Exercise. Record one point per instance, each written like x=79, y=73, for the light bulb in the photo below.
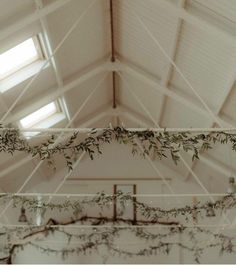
x=231, y=188
x=22, y=217
x=210, y=212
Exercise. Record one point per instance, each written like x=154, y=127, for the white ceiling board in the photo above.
x=129, y=123
x=133, y=42
x=225, y=155
x=116, y=161
x=16, y=178
x=45, y=81
x=48, y=2
x=103, y=95
x=150, y=99
x=21, y=35
x=229, y=107
x=100, y=123
x=180, y=168
x=89, y=42
x=220, y=14
x=206, y=62
x=226, y=8
x=14, y=10
x=7, y=159
x=178, y=116
x=214, y=181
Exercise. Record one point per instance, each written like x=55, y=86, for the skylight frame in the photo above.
x=42, y=118
x=38, y=57
x=48, y=122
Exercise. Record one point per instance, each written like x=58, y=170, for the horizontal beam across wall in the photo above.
x=87, y=130
x=161, y=195
x=107, y=66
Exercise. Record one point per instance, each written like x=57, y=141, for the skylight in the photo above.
x=39, y=115
x=18, y=57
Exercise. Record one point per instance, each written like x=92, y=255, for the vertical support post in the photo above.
x=114, y=203
x=134, y=203
x=113, y=59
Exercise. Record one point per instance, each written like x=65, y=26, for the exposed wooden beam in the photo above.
x=11, y=29
x=113, y=58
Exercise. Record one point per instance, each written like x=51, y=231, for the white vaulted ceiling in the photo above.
x=199, y=36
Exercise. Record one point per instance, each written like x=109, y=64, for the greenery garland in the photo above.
x=90, y=241
x=162, y=144
x=106, y=201
x=107, y=236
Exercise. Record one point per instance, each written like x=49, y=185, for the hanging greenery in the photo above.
x=102, y=200
x=162, y=144
x=157, y=242
x=90, y=240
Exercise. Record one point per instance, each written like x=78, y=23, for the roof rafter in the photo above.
x=155, y=84
x=47, y=39
x=167, y=74
x=32, y=18
x=82, y=77
x=217, y=112
x=198, y=22
x=206, y=159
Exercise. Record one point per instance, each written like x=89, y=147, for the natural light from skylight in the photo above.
x=39, y=115
x=19, y=56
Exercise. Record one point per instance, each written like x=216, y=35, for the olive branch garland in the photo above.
x=102, y=200
x=162, y=144
x=91, y=241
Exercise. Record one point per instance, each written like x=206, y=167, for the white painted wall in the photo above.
x=117, y=162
